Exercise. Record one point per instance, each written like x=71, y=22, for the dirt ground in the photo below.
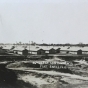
x=29, y=77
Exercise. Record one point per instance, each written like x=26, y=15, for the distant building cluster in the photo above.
x=40, y=51
x=51, y=51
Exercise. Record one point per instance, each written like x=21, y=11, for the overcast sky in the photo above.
x=44, y=21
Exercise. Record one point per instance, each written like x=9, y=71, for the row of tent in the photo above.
x=43, y=52
x=56, y=51
x=51, y=51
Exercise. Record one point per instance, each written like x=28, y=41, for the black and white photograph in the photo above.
x=43, y=43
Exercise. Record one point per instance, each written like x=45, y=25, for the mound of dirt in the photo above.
x=22, y=64
x=16, y=65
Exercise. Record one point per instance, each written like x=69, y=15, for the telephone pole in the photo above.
x=29, y=47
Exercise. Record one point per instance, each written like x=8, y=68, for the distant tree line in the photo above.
x=67, y=44
x=45, y=44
